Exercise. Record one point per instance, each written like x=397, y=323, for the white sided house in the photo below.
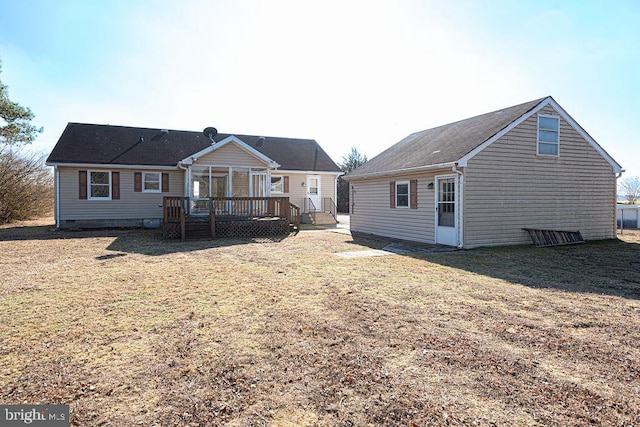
x=483, y=180
x=117, y=176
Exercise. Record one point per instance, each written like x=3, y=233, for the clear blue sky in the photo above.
x=346, y=73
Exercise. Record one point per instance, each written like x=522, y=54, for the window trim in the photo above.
x=109, y=185
x=281, y=184
x=408, y=194
x=557, y=144
x=144, y=182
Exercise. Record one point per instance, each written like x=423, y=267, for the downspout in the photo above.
x=615, y=208
x=187, y=178
x=460, y=207
x=187, y=184
x=56, y=206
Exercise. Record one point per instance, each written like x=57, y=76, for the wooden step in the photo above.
x=543, y=238
x=197, y=230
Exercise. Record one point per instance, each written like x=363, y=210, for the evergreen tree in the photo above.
x=15, y=121
x=349, y=163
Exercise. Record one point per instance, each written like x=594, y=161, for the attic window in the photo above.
x=548, y=135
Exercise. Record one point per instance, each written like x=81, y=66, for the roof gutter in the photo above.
x=278, y=171
x=111, y=166
x=416, y=169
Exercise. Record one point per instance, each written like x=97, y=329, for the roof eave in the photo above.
x=403, y=171
x=111, y=166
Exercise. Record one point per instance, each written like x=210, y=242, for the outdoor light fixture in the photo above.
x=430, y=186
x=302, y=183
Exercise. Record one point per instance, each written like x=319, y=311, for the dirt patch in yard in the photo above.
x=129, y=329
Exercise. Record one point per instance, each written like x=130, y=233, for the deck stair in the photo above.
x=198, y=229
x=544, y=238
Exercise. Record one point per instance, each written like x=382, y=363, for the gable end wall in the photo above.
x=230, y=155
x=508, y=187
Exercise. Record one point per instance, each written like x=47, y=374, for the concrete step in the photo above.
x=321, y=218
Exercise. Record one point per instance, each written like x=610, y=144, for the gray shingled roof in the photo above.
x=121, y=145
x=443, y=144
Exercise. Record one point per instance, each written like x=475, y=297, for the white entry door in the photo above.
x=446, y=218
x=314, y=193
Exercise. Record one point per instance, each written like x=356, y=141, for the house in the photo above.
x=481, y=181
x=119, y=176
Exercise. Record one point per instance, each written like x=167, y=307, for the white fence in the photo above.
x=628, y=216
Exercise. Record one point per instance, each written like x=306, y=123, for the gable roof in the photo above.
x=456, y=143
x=230, y=139
x=83, y=143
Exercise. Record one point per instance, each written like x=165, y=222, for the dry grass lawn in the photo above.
x=129, y=329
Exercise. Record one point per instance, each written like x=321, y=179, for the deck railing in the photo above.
x=250, y=207
x=231, y=207
x=175, y=209
x=294, y=215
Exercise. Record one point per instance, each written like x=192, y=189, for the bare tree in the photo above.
x=630, y=188
x=26, y=184
x=26, y=187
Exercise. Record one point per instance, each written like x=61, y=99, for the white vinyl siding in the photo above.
x=372, y=214
x=131, y=205
x=508, y=187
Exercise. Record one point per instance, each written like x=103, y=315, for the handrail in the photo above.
x=310, y=208
x=332, y=209
x=295, y=215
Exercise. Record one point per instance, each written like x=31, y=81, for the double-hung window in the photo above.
x=99, y=185
x=151, y=182
x=277, y=184
x=548, y=135
x=402, y=194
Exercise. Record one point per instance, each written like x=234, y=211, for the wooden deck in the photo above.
x=228, y=217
